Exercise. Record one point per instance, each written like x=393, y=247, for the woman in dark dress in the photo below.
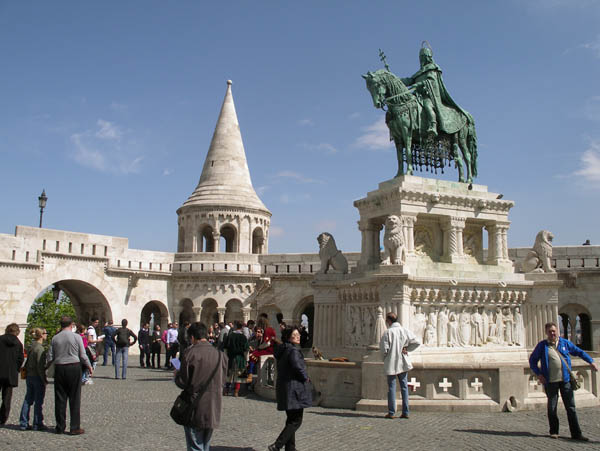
x=293, y=388
x=155, y=342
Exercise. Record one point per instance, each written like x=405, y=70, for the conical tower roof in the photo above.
x=225, y=179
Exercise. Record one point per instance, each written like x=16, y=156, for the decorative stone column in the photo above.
x=221, y=313
x=453, y=237
x=197, y=313
x=497, y=243
x=216, y=237
x=176, y=311
x=409, y=232
x=368, y=242
x=246, y=311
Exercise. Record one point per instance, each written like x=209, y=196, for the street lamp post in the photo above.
x=42, y=200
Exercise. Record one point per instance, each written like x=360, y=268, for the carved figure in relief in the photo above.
x=508, y=320
x=492, y=335
x=393, y=241
x=442, y=327
x=499, y=322
x=464, y=328
x=452, y=330
x=539, y=258
x=423, y=242
x=471, y=244
x=430, y=332
x=330, y=255
x=518, y=327
x=353, y=326
x=476, y=328
x=486, y=325
x=432, y=319
x=419, y=323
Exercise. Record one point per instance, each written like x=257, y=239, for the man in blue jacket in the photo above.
x=554, y=376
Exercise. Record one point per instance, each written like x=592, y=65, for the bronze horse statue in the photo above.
x=404, y=118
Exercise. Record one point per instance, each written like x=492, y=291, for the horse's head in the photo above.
x=377, y=87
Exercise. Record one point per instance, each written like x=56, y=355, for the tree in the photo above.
x=45, y=313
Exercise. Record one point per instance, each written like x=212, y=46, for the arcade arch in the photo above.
x=258, y=239
x=187, y=311
x=228, y=238
x=575, y=325
x=233, y=310
x=304, y=313
x=204, y=240
x=155, y=312
x=209, y=314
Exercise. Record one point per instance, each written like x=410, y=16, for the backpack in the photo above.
x=122, y=337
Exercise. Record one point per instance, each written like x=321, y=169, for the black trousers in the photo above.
x=155, y=352
x=568, y=397
x=67, y=387
x=6, y=400
x=145, y=354
x=287, y=438
x=171, y=353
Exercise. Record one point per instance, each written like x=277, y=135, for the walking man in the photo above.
x=554, y=374
x=11, y=360
x=144, y=343
x=395, y=345
x=202, y=365
x=108, y=332
x=121, y=338
x=68, y=355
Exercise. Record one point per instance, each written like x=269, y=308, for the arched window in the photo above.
x=205, y=239
x=258, y=240
x=228, y=238
x=181, y=240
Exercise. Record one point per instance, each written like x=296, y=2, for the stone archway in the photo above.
x=187, y=311
x=304, y=313
x=233, y=311
x=209, y=315
x=229, y=238
x=576, y=322
x=258, y=240
x=155, y=313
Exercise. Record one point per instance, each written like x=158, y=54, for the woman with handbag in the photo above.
x=35, y=370
x=201, y=376
x=293, y=388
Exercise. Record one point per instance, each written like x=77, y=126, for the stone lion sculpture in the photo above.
x=393, y=241
x=330, y=255
x=539, y=258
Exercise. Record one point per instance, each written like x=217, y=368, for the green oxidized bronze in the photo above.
x=427, y=126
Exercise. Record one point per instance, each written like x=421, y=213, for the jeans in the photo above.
x=568, y=397
x=403, y=378
x=108, y=346
x=36, y=390
x=197, y=439
x=121, y=357
x=287, y=437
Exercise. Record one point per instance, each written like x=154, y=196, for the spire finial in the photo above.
x=229, y=82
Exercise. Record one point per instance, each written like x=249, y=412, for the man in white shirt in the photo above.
x=395, y=345
x=172, y=344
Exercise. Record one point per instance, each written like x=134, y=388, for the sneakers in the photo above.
x=554, y=436
x=389, y=416
x=89, y=382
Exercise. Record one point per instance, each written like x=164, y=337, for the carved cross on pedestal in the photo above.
x=414, y=384
x=533, y=381
x=445, y=384
x=476, y=384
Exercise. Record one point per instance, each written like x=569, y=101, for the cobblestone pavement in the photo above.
x=134, y=415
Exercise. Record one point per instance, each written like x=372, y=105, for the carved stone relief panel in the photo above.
x=472, y=245
x=472, y=325
x=425, y=244
x=359, y=324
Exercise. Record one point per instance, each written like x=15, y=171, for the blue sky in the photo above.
x=110, y=106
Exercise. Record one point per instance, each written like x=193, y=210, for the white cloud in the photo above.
x=321, y=147
x=262, y=189
x=276, y=231
x=354, y=115
x=296, y=176
x=167, y=171
x=375, y=137
x=306, y=122
x=116, y=106
x=108, y=130
x=594, y=46
x=286, y=198
x=590, y=162
x=103, y=149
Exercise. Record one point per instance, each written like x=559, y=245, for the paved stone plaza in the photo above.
x=134, y=415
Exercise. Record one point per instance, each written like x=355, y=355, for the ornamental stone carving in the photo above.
x=393, y=241
x=539, y=258
x=330, y=255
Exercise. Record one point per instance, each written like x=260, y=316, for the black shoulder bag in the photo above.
x=184, y=408
x=575, y=384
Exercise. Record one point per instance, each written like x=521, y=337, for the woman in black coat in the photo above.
x=292, y=388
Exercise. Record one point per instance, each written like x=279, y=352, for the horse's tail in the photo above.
x=472, y=144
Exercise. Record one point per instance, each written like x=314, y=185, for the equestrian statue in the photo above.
x=428, y=127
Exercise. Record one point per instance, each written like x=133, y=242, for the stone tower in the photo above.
x=223, y=227
x=224, y=204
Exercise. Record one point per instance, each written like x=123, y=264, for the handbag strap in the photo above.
x=204, y=387
x=573, y=375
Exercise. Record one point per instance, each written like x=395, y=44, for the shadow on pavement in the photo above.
x=503, y=433
x=344, y=414
x=230, y=448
